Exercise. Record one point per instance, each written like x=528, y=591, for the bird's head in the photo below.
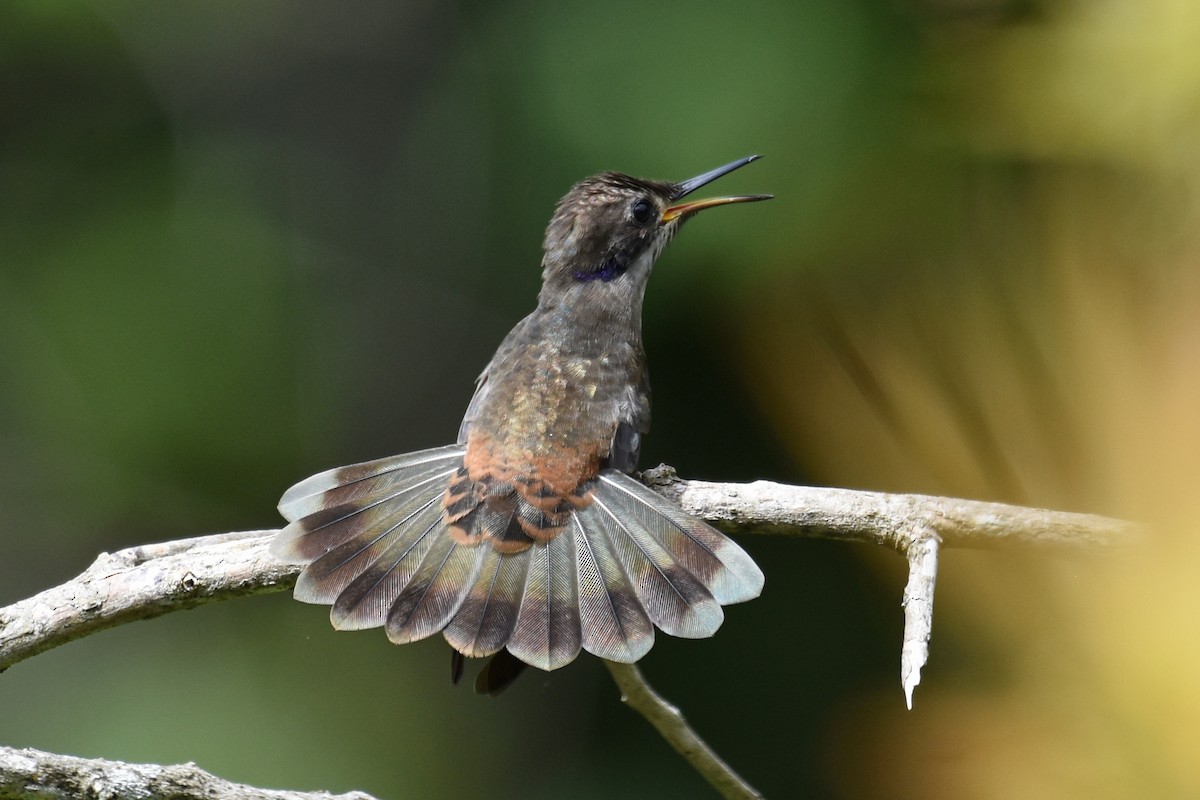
x=609, y=229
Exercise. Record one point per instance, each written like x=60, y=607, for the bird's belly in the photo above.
x=550, y=419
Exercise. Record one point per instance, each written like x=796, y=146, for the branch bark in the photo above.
x=147, y=581
x=890, y=520
x=140, y=583
x=35, y=775
x=915, y=525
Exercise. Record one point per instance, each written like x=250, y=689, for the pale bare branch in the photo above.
x=918, y=612
x=35, y=775
x=891, y=520
x=139, y=583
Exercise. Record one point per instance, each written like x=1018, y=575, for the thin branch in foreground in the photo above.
x=669, y=722
x=35, y=775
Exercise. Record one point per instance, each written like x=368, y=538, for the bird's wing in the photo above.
x=482, y=385
x=634, y=423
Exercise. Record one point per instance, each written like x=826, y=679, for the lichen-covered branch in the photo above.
x=35, y=775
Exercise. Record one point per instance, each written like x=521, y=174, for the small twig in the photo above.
x=35, y=775
x=669, y=722
x=918, y=611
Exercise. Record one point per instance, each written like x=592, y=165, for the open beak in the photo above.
x=680, y=210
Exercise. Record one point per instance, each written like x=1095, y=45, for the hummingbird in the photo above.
x=528, y=539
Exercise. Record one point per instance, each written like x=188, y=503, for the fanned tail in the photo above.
x=379, y=549
x=365, y=530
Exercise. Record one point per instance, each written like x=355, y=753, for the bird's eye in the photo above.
x=641, y=210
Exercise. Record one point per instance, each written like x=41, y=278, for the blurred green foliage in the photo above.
x=244, y=243
x=241, y=243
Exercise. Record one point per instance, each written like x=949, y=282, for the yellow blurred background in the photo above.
x=241, y=243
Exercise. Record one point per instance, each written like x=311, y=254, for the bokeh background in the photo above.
x=244, y=242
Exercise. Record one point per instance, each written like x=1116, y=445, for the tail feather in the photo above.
x=615, y=625
x=436, y=591
x=674, y=599
x=364, y=588
x=547, y=634
x=352, y=483
x=485, y=620
x=340, y=523
x=724, y=568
